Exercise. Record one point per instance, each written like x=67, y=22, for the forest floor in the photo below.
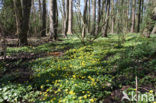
x=69, y=72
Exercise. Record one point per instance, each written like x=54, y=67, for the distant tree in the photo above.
x=70, y=17
x=84, y=20
x=93, y=17
x=22, y=10
x=53, y=16
x=3, y=45
x=150, y=19
x=133, y=16
x=65, y=14
x=139, y=15
x=89, y=14
x=40, y=8
x=44, y=15
x=105, y=29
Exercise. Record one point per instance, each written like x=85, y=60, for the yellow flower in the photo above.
x=41, y=87
x=83, y=63
x=61, y=85
x=72, y=93
x=151, y=91
x=80, y=98
x=74, y=97
x=66, y=90
x=74, y=76
x=89, y=77
x=85, y=97
x=59, y=90
x=70, y=65
x=154, y=102
x=51, y=100
x=91, y=100
x=47, y=81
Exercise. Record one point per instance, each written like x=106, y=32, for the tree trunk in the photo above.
x=139, y=16
x=113, y=19
x=3, y=42
x=154, y=30
x=89, y=16
x=107, y=19
x=133, y=16
x=84, y=21
x=65, y=5
x=40, y=8
x=34, y=17
x=99, y=18
x=53, y=19
x=44, y=15
x=94, y=17
x=70, y=17
x=22, y=10
x=150, y=23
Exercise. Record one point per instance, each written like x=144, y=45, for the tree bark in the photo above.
x=44, y=15
x=133, y=17
x=22, y=10
x=94, y=17
x=107, y=19
x=150, y=23
x=3, y=42
x=84, y=21
x=113, y=19
x=139, y=16
x=89, y=15
x=40, y=8
x=65, y=5
x=99, y=17
x=70, y=17
x=53, y=19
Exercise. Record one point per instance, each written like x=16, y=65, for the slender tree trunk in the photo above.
x=40, y=8
x=154, y=30
x=150, y=23
x=34, y=17
x=3, y=42
x=94, y=17
x=99, y=17
x=89, y=14
x=22, y=10
x=133, y=17
x=70, y=17
x=84, y=21
x=107, y=19
x=113, y=19
x=65, y=5
x=142, y=10
x=139, y=16
x=44, y=15
x=53, y=19
x=127, y=16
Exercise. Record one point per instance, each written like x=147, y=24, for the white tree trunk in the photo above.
x=70, y=17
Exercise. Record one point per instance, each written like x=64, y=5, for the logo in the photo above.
x=147, y=97
x=125, y=96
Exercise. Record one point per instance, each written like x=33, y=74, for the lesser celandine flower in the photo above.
x=151, y=91
x=85, y=97
x=72, y=93
x=91, y=100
